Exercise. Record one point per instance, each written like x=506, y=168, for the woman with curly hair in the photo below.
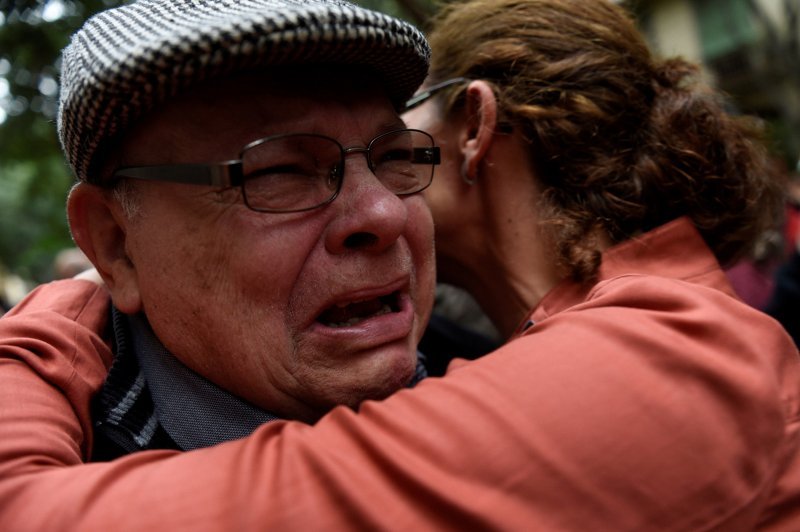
x=588, y=198
x=564, y=136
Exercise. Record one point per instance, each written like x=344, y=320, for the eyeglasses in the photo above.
x=422, y=97
x=298, y=172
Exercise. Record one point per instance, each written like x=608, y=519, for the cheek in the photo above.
x=220, y=303
x=258, y=271
x=442, y=198
x=177, y=259
x=443, y=193
x=240, y=269
x=422, y=244
x=414, y=119
x=422, y=118
x=420, y=226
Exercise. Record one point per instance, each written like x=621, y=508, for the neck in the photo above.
x=507, y=272
x=506, y=298
x=496, y=249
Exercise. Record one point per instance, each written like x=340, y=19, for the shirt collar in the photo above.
x=194, y=411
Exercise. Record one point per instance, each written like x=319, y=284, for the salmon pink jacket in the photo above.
x=651, y=400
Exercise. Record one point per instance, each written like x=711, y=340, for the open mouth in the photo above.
x=353, y=313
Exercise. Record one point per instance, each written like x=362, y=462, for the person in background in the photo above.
x=784, y=301
x=12, y=289
x=753, y=276
x=598, y=187
x=5, y=305
x=70, y=262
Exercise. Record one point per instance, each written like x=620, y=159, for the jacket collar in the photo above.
x=674, y=250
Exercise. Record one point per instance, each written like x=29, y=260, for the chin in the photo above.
x=377, y=384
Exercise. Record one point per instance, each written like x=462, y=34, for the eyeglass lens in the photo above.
x=299, y=172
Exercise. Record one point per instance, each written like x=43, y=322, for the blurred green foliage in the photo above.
x=34, y=179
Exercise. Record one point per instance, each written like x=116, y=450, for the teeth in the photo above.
x=385, y=309
x=348, y=303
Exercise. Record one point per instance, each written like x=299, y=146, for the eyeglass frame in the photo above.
x=421, y=97
x=230, y=173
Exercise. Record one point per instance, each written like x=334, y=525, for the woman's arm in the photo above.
x=569, y=427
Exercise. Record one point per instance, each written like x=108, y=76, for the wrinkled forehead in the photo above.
x=215, y=120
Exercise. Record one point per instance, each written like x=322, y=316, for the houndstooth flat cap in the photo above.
x=125, y=61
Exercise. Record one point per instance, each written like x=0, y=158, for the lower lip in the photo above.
x=372, y=331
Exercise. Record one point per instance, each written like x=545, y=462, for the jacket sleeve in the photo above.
x=566, y=428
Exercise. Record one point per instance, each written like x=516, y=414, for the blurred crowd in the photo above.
x=66, y=263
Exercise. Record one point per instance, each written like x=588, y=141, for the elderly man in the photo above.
x=249, y=196
x=292, y=277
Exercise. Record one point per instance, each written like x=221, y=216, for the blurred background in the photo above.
x=749, y=48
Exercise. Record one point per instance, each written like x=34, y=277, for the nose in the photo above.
x=368, y=216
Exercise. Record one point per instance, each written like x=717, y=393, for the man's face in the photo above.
x=244, y=298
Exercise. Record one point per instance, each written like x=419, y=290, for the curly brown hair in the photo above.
x=619, y=139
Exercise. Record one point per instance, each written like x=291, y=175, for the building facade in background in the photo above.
x=749, y=48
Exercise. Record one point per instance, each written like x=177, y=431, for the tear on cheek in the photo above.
x=348, y=314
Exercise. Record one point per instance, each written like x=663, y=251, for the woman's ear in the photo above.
x=99, y=227
x=480, y=124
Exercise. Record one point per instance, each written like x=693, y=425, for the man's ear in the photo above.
x=481, y=121
x=99, y=227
